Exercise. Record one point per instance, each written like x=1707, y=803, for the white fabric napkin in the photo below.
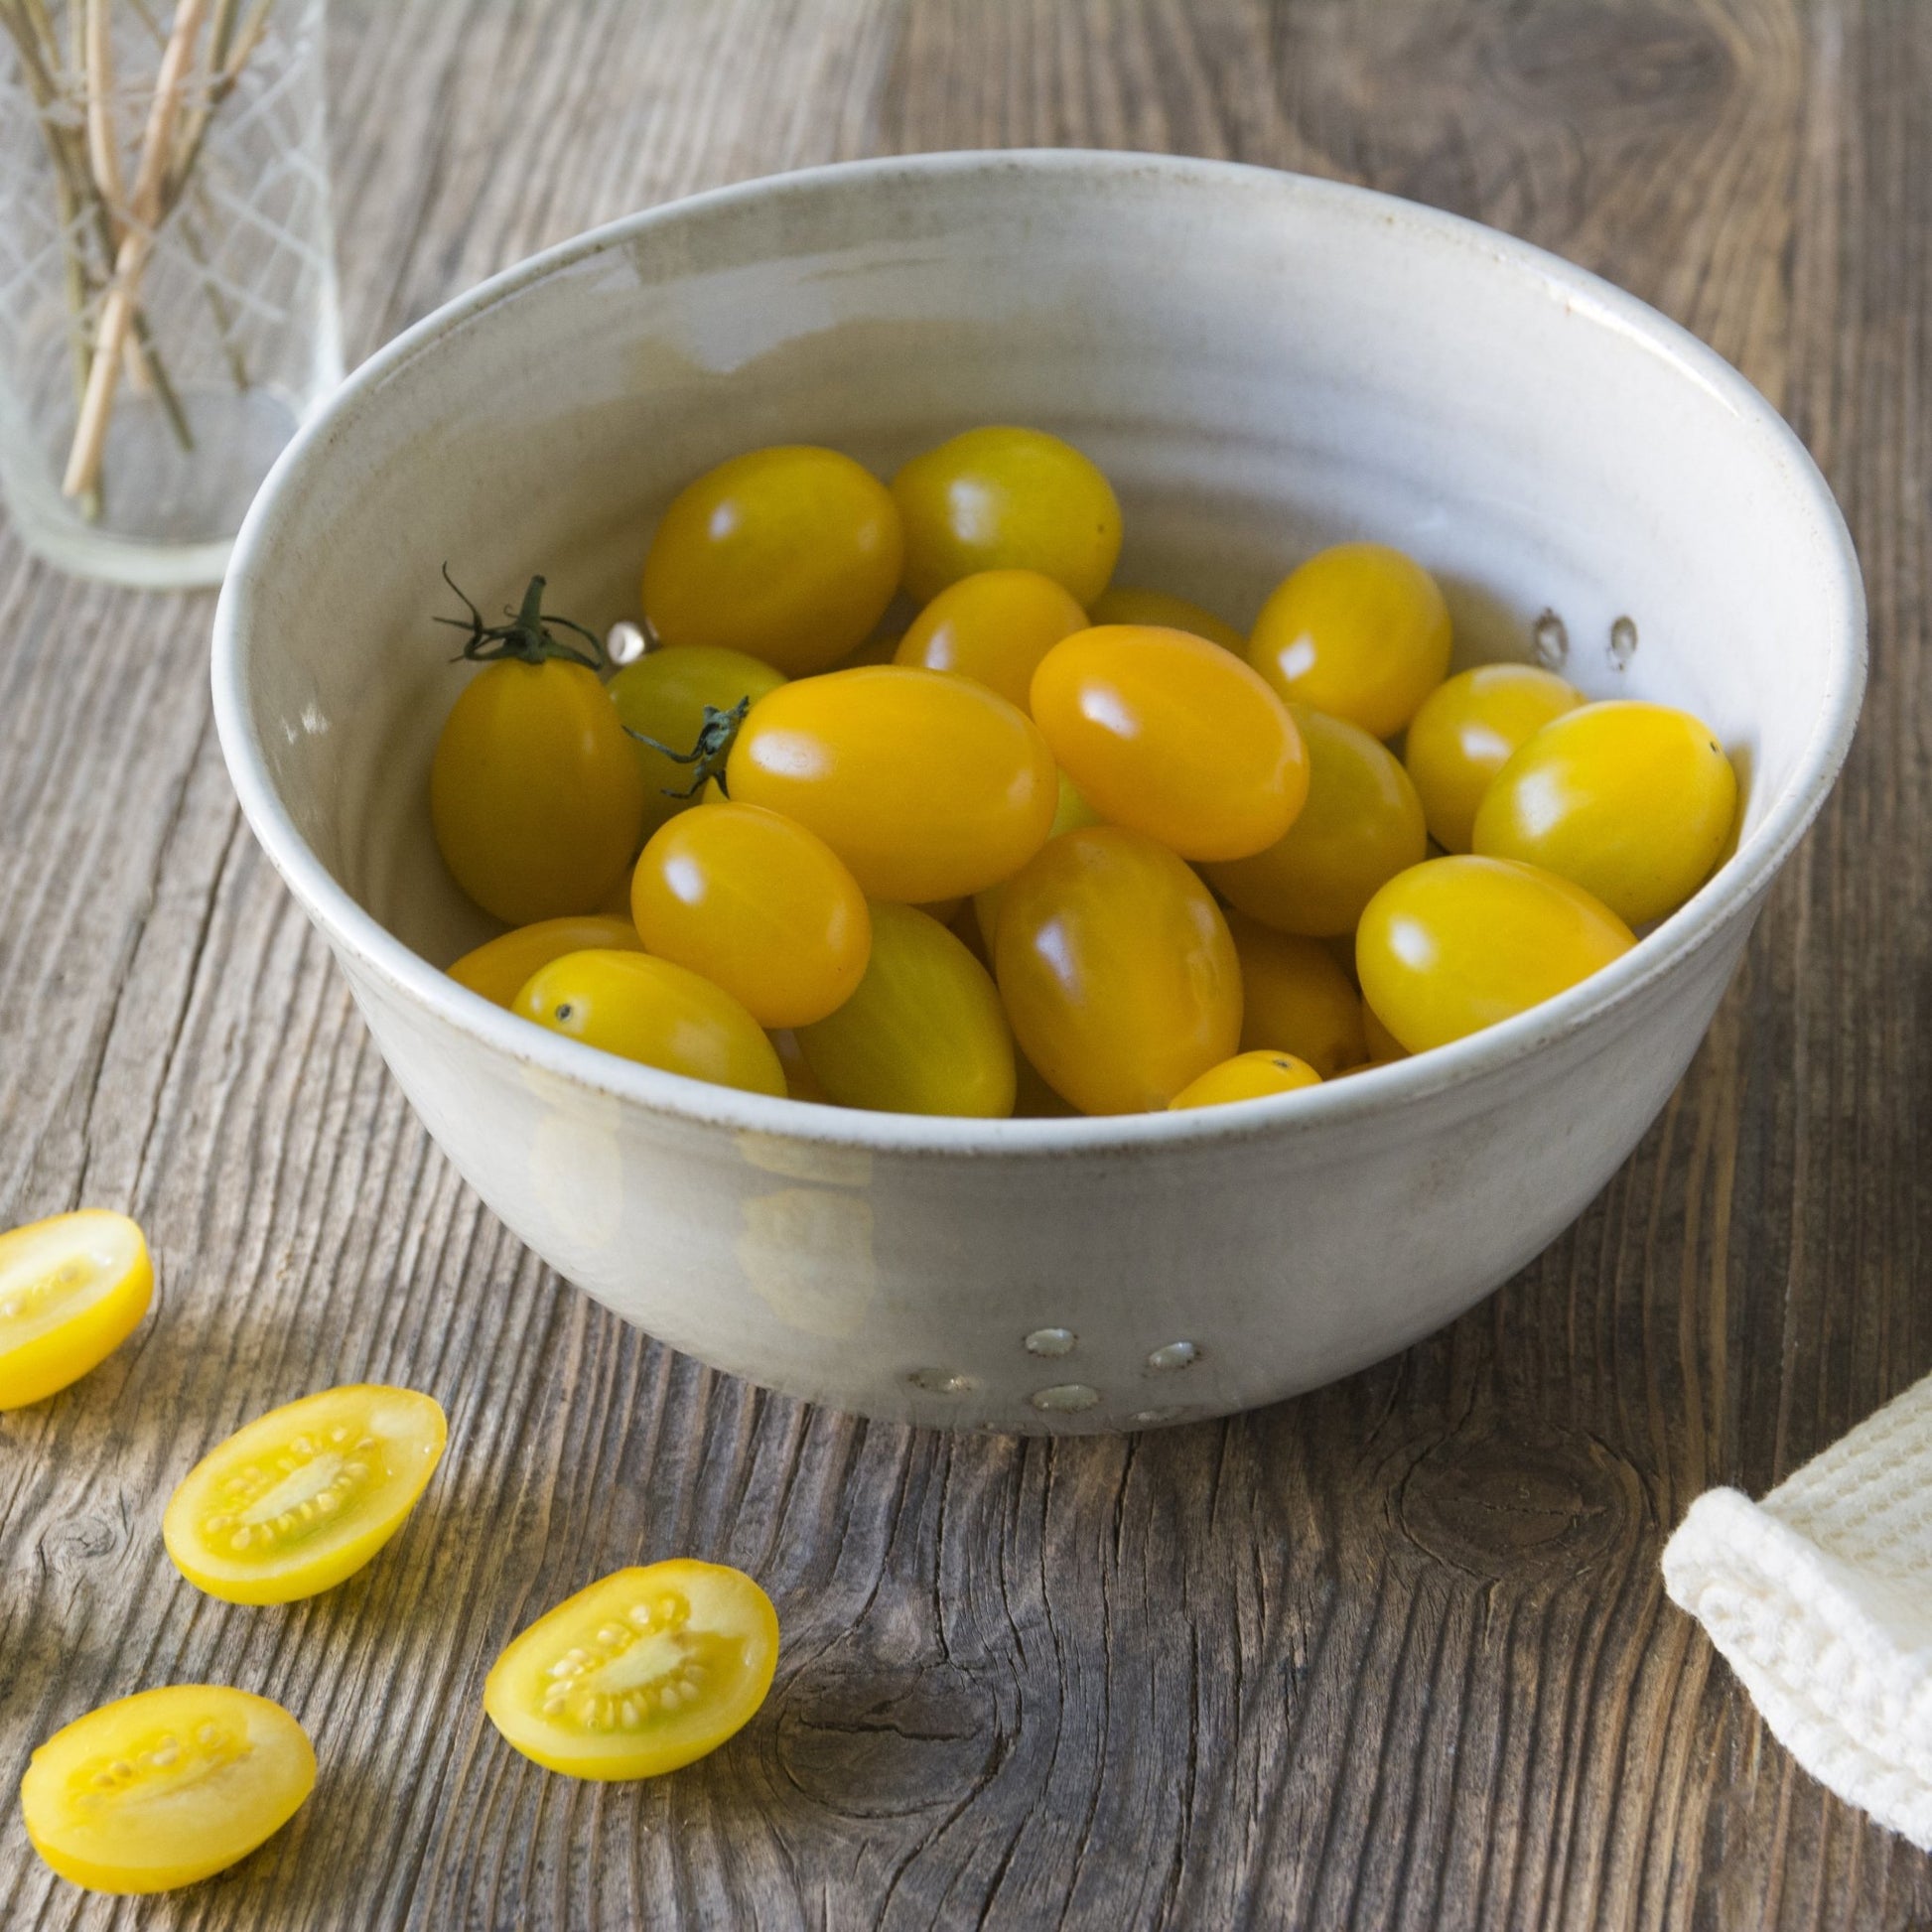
x=1820, y=1598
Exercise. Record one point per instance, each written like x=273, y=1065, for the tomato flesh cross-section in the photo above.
x=162, y=1788
x=72, y=1288
x=305, y=1495
x=638, y=1674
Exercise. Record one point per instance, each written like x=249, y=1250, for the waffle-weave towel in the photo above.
x=1820, y=1598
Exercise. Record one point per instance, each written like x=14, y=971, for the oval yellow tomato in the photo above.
x=304, y=1496
x=1362, y=825
x=993, y=626
x=165, y=1787
x=1120, y=603
x=1294, y=994
x=72, y=1288
x=498, y=968
x=534, y=794
x=1459, y=944
x=1466, y=732
x=1004, y=498
x=923, y=1034
x=665, y=695
x=1168, y=734
x=1361, y=632
x=926, y=785
x=642, y=1672
x=1117, y=970
x=1634, y=802
x=756, y=905
x=656, y=1013
x=787, y=554
x=1248, y=1076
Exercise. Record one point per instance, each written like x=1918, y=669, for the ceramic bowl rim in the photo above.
x=354, y=933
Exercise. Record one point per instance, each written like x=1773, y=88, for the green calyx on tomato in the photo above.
x=527, y=636
x=716, y=737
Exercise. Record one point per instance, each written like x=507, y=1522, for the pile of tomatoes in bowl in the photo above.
x=1054, y=845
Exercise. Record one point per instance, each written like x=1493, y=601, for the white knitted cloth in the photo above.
x=1820, y=1598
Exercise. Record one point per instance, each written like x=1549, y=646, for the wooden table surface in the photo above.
x=1393, y=1654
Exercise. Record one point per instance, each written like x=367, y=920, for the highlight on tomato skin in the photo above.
x=788, y=554
x=1170, y=735
x=927, y=786
x=995, y=627
x=1117, y=970
x=1455, y=945
x=1636, y=802
x=1359, y=631
x=301, y=1498
x=165, y=1788
x=641, y=1673
x=1003, y=497
x=758, y=905
x=656, y=1013
x=73, y=1287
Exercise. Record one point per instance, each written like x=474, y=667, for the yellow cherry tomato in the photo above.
x=926, y=785
x=298, y=1498
x=1456, y=945
x=654, y=1012
x=1634, y=802
x=756, y=905
x=1464, y=733
x=498, y=968
x=923, y=1034
x=534, y=794
x=993, y=626
x=663, y=695
x=72, y=1288
x=1004, y=498
x=165, y=1787
x=1294, y=994
x=1362, y=825
x=787, y=554
x=1248, y=1076
x=644, y=1671
x=1069, y=814
x=1359, y=631
x=1170, y=735
x=1117, y=971
x=1123, y=605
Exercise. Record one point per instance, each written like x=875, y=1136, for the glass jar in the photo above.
x=168, y=311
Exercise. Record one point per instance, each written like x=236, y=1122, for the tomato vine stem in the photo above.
x=529, y=634
x=716, y=736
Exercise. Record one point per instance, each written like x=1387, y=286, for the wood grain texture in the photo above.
x=1394, y=1654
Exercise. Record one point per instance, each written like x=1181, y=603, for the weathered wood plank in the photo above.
x=1392, y=1655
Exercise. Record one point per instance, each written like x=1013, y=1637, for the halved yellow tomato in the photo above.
x=499, y=967
x=305, y=1495
x=72, y=1288
x=165, y=1787
x=638, y=1674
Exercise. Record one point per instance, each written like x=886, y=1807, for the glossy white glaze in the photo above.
x=1262, y=363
